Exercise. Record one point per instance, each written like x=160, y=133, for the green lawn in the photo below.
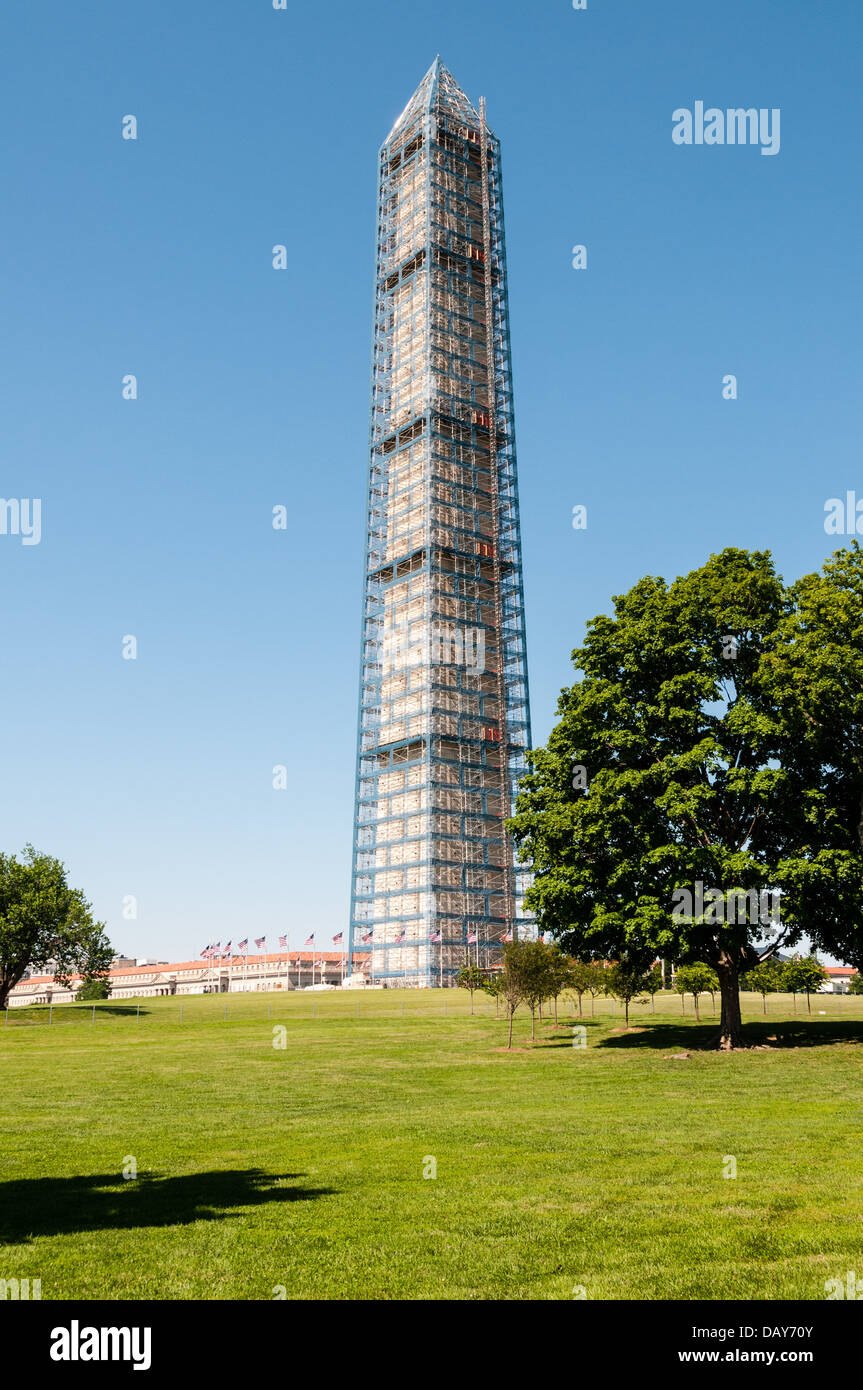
x=557, y=1167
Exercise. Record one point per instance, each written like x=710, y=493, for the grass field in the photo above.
x=557, y=1167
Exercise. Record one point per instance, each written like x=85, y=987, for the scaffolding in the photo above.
x=444, y=719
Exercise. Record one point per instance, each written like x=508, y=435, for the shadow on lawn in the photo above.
x=63, y=1206
x=118, y=1009
x=61, y=1013
x=697, y=1036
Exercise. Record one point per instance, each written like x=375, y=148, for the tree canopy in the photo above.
x=46, y=924
x=701, y=796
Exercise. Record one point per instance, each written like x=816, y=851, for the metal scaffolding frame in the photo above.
x=444, y=719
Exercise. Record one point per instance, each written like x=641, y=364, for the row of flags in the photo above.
x=226, y=952
x=217, y=950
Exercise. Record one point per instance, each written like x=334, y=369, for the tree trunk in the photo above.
x=8, y=982
x=808, y=1003
x=579, y=1006
x=626, y=1007
x=471, y=1001
x=731, y=1027
x=697, y=1015
x=555, y=1010
x=511, y=1012
x=532, y=1024
x=764, y=1002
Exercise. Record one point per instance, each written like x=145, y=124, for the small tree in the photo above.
x=653, y=983
x=580, y=975
x=539, y=970
x=803, y=975
x=696, y=980
x=766, y=978
x=559, y=974
x=491, y=985
x=89, y=990
x=855, y=984
x=470, y=977
x=45, y=924
x=595, y=983
x=625, y=981
x=514, y=978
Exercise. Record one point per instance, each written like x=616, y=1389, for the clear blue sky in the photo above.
x=152, y=778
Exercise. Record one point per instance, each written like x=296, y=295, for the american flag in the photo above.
x=217, y=949
x=241, y=945
x=507, y=936
x=436, y=937
x=283, y=942
x=471, y=938
x=367, y=936
x=227, y=950
x=401, y=936
x=260, y=942
x=338, y=937
x=207, y=952
x=310, y=941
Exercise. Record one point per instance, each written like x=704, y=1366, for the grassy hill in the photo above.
x=558, y=1168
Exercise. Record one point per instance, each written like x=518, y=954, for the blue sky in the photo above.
x=153, y=778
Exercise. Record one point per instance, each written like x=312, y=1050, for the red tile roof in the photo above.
x=170, y=968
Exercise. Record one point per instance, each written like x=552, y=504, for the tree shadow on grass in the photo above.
x=71, y=1012
x=695, y=1037
x=118, y=1009
x=104, y=1201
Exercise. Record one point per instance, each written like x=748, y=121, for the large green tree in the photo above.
x=44, y=922
x=692, y=784
x=813, y=675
